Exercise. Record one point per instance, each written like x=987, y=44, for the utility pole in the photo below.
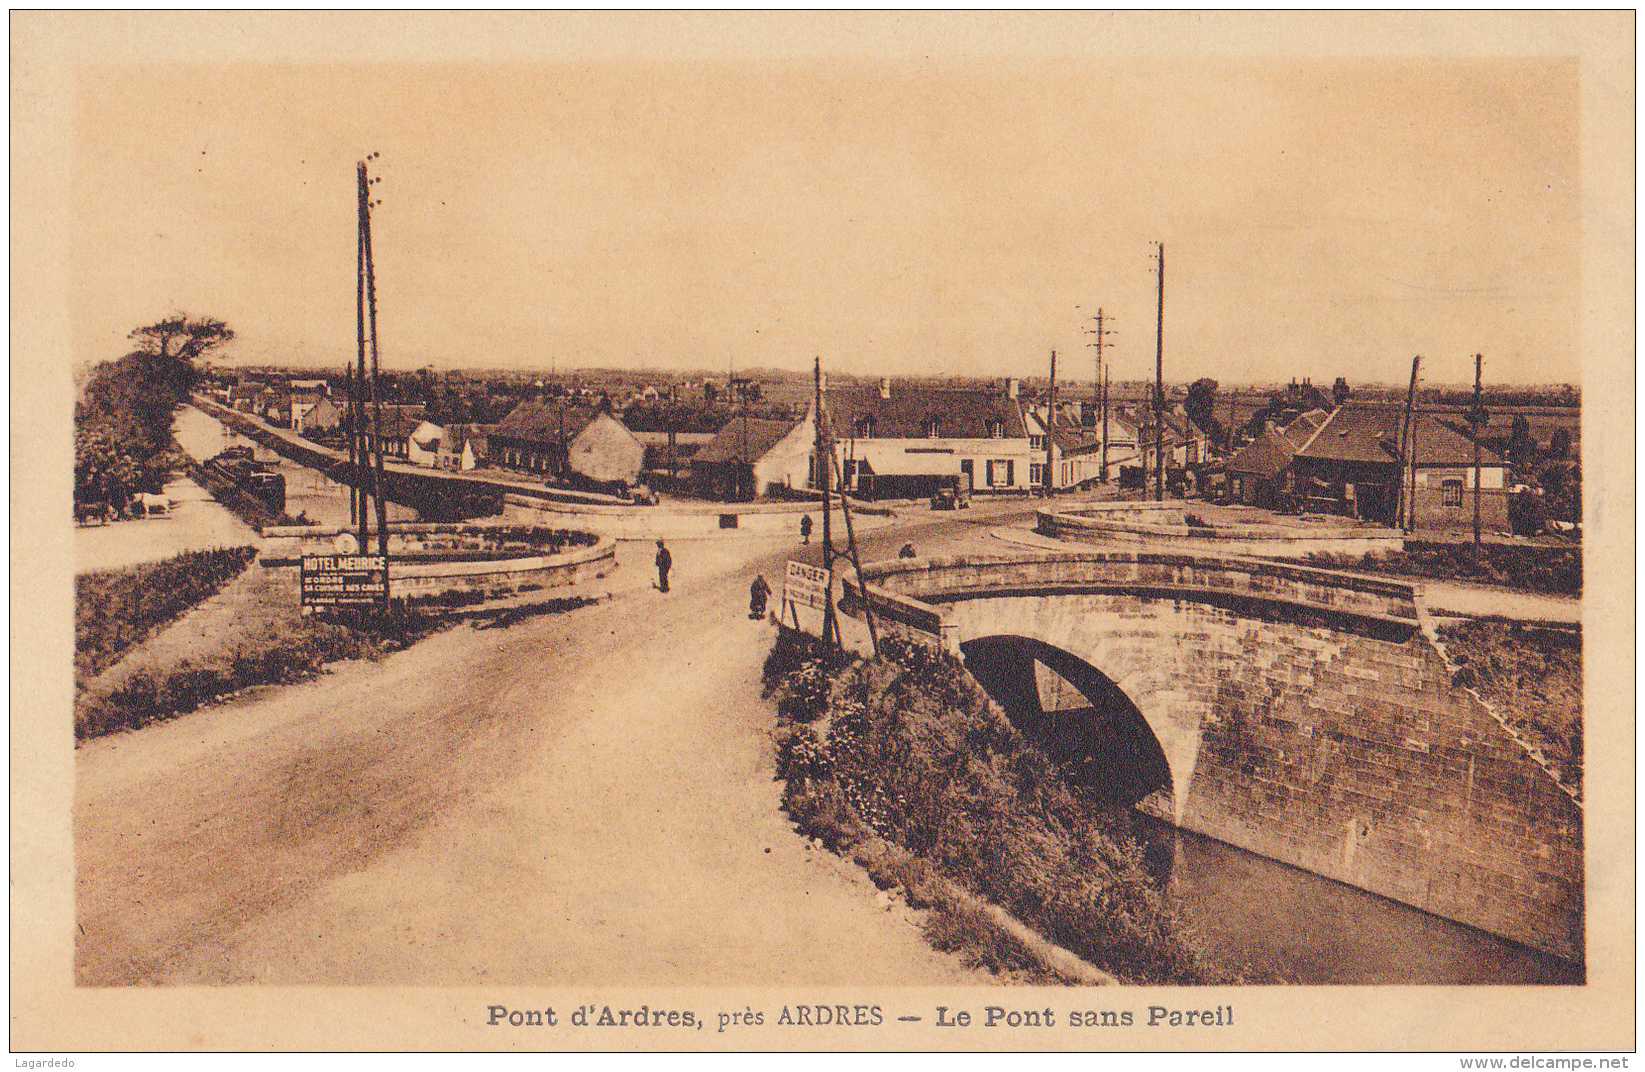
x=376, y=403
x=357, y=395
x=1105, y=426
x=353, y=448
x=1477, y=419
x=1407, y=454
x=1050, y=427
x=856, y=564
x=1159, y=389
x=825, y=477
x=1099, y=387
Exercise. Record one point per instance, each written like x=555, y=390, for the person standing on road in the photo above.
x=758, y=593
x=665, y=561
x=805, y=528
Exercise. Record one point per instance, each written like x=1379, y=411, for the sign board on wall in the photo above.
x=344, y=580
x=806, y=586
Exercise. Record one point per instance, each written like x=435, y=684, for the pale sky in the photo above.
x=901, y=217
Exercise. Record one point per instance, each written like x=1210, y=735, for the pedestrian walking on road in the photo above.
x=665, y=561
x=758, y=593
x=805, y=528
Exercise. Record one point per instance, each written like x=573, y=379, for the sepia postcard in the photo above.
x=822, y=531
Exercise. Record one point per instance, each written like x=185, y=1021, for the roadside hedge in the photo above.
x=116, y=609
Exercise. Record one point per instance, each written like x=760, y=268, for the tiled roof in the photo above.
x=1302, y=429
x=731, y=445
x=546, y=422
x=960, y=414
x=1371, y=434
x=1267, y=456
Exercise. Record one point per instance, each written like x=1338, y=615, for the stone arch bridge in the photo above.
x=1303, y=714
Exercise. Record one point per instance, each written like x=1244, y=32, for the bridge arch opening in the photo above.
x=1076, y=713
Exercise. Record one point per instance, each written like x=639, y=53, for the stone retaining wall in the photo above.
x=1163, y=524
x=1292, y=731
x=685, y=521
x=504, y=577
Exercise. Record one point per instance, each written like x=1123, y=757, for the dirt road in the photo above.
x=584, y=797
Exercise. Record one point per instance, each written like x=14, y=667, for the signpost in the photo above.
x=344, y=581
x=806, y=585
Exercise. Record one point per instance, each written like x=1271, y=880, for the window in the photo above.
x=1036, y=442
x=865, y=427
x=931, y=428
x=1452, y=490
x=1001, y=473
x=996, y=428
x=1036, y=474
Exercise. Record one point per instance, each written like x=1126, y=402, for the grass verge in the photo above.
x=1552, y=570
x=1533, y=677
x=903, y=763
x=293, y=654
x=116, y=609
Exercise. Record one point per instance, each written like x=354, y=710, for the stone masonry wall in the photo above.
x=1360, y=762
x=1345, y=752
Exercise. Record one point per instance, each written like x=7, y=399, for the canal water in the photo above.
x=307, y=490
x=1271, y=923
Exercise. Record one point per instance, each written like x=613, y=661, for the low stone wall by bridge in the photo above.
x=1164, y=525
x=1304, y=715
x=469, y=577
x=689, y=520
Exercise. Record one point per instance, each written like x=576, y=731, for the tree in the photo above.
x=176, y=343
x=123, y=421
x=1559, y=443
x=1200, y=407
x=1521, y=447
x=102, y=471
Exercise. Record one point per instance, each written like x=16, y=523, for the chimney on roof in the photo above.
x=885, y=387
x=1013, y=387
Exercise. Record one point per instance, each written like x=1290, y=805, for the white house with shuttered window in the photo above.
x=905, y=441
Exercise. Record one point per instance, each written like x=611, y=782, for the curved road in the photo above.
x=584, y=797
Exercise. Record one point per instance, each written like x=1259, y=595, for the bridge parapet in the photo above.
x=912, y=590
x=1166, y=525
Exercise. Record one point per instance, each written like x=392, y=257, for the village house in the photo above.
x=1259, y=474
x=750, y=456
x=463, y=447
x=1352, y=465
x=902, y=441
x=322, y=415
x=243, y=396
x=399, y=421
x=568, y=441
x=424, y=443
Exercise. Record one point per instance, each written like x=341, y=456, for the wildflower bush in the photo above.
x=903, y=762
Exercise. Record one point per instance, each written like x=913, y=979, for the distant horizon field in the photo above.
x=659, y=377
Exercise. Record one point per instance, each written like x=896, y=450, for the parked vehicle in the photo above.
x=955, y=496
